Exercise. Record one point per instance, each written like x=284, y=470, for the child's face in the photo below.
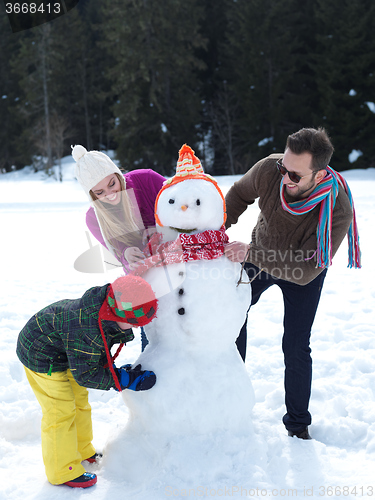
x=124, y=326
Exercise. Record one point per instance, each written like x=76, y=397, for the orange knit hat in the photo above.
x=188, y=167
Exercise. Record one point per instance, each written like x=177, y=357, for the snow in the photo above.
x=265, y=141
x=371, y=106
x=44, y=232
x=354, y=155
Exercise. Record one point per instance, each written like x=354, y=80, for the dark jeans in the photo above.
x=300, y=305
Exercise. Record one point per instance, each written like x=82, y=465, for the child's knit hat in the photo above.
x=92, y=167
x=130, y=299
x=188, y=167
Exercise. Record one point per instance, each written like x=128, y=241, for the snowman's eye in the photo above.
x=198, y=202
x=171, y=201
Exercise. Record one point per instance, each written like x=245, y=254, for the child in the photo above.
x=65, y=348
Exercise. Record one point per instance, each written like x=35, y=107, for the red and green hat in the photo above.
x=130, y=299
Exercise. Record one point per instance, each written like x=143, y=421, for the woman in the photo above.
x=122, y=212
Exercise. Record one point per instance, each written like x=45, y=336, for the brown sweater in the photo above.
x=281, y=242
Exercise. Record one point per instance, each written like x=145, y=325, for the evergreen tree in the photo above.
x=98, y=61
x=215, y=93
x=232, y=78
x=35, y=65
x=11, y=151
x=59, y=68
x=344, y=68
x=154, y=77
x=268, y=61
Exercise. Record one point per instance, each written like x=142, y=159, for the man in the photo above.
x=306, y=210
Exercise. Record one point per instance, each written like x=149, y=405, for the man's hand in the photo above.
x=236, y=251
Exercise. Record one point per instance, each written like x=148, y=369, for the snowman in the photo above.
x=202, y=386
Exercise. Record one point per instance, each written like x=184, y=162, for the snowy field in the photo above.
x=43, y=233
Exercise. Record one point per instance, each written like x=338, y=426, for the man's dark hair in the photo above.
x=313, y=141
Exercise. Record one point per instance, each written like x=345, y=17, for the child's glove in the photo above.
x=135, y=378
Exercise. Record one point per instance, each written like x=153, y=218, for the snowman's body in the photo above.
x=202, y=385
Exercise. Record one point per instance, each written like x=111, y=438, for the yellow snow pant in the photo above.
x=66, y=424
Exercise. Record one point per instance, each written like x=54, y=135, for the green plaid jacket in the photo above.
x=66, y=335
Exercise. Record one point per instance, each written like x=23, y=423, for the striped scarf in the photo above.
x=326, y=193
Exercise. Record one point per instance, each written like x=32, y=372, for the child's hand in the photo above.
x=136, y=379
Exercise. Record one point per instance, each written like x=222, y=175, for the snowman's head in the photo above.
x=193, y=205
x=190, y=202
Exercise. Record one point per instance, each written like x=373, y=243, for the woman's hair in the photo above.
x=128, y=229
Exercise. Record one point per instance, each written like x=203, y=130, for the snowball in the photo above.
x=371, y=106
x=354, y=155
x=265, y=141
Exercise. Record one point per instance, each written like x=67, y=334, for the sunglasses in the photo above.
x=292, y=175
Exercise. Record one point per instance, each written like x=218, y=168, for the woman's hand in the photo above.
x=133, y=255
x=147, y=234
x=236, y=251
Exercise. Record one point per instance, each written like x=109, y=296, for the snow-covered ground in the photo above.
x=43, y=232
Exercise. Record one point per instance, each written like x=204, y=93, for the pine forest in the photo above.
x=231, y=78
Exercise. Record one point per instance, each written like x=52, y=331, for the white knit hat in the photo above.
x=92, y=167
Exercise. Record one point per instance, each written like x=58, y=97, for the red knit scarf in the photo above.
x=207, y=245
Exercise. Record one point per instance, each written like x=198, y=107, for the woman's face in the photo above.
x=108, y=190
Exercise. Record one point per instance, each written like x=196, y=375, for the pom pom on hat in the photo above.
x=130, y=299
x=92, y=167
x=78, y=151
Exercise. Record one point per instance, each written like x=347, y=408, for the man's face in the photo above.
x=302, y=166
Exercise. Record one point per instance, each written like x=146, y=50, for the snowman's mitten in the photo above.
x=135, y=378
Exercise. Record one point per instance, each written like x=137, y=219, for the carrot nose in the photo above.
x=183, y=208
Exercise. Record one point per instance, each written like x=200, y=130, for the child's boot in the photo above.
x=84, y=481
